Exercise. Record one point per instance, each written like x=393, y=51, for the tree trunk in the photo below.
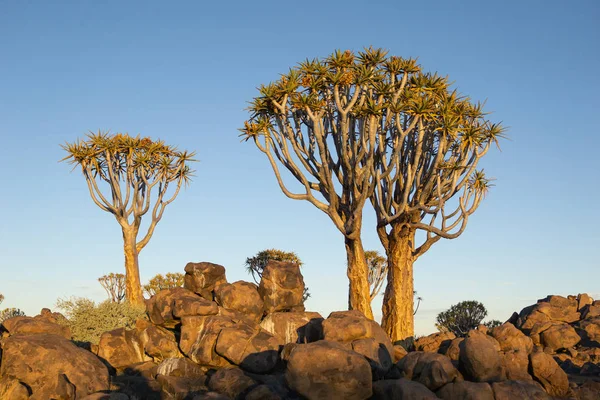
x=133, y=286
x=398, y=301
x=359, y=294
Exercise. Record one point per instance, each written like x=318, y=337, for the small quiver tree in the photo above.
x=429, y=142
x=137, y=174
x=114, y=285
x=160, y=282
x=461, y=318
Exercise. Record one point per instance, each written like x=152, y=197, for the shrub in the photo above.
x=461, y=317
x=9, y=313
x=159, y=282
x=88, y=320
x=492, y=323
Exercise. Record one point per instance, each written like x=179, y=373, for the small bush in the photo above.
x=9, y=313
x=461, y=317
x=88, y=320
x=492, y=323
x=159, y=282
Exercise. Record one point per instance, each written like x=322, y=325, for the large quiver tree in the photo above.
x=425, y=174
x=138, y=172
x=322, y=122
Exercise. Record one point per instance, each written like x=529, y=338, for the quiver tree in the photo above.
x=377, y=265
x=322, y=122
x=138, y=173
x=160, y=282
x=114, y=285
x=428, y=144
x=462, y=317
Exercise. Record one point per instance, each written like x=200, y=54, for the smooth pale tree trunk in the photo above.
x=398, y=300
x=133, y=285
x=359, y=294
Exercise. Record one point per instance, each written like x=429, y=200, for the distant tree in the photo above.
x=159, y=282
x=461, y=317
x=255, y=265
x=419, y=300
x=131, y=167
x=114, y=285
x=10, y=313
x=377, y=268
x=1, y=298
x=493, y=323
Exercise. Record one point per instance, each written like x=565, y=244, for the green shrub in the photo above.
x=88, y=320
x=9, y=313
x=461, y=317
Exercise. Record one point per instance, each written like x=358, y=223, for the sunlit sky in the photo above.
x=184, y=72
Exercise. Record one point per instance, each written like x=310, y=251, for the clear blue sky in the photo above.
x=183, y=71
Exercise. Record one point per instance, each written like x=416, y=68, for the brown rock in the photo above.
x=560, y=336
x=170, y=305
x=559, y=301
x=453, y=351
x=232, y=382
x=583, y=299
x=516, y=365
x=12, y=389
x=399, y=353
x=282, y=287
x=203, y=277
x=265, y=392
x=546, y=371
x=376, y=353
x=590, y=311
x=180, y=387
x=328, y=370
x=121, y=347
x=435, y=343
x=38, y=361
x=480, y=359
x=146, y=369
x=590, y=390
x=464, y=390
x=514, y=389
x=401, y=389
x=253, y=349
x=294, y=327
x=242, y=297
x=431, y=369
x=347, y=326
x=137, y=387
x=35, y=325
x=199, y=337
x=180, y=367
x=159, y=343
x=590, y=328
x=511, y=339
x=106, y=396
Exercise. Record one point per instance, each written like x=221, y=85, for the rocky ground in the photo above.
x=219, y=340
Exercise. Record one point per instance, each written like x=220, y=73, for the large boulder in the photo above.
x=511, y=339
x=203, y=277
x=158, y=343
x=180, y=367
x=480, y=359
x=453, y=351
x=199, y=337
x=328, y=370
x=590, y=330
x=560, y=336
x=431, y=369
x=170, y=305
x=121, y=347
x=516, y=365
x=583, y=300
x=232, y=382
x=50, y=365
x=294, y=327
x=282, y=287
x=464, y=390
x=253, y=349
x=35, y=325
x=401, y=389
x=546, y=371
x=435, y=343
x=242, y=297
x=181, y=387
x=514, y=389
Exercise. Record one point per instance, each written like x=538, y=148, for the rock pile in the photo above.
x=217, y=340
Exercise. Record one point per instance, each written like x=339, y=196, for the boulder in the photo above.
x=435, y=343
x=583, y=299
x=464, y=390
x=294, y=327
x=203, y=277
x=146, y=369
x=377, y=354
x=516, y=365
x=198, y=339
x=480, y=358
x=590, y=390
x=511, y=339
x=12, y=389
x=158, y=343
x=50, y=365
x=431, y=369
x=106, y=396
x=514, y=389
x=236, y=316
x=590, y=329
x=453, y=351
x=590, y=311
x=35, y=325
x=347, y=326
x=560, y=336
x=399, y=353
x=401, y=389
x=328, y=370
x=180, y=367
x=282, y=287
x=251, y=348
x=266, y=392
x=232, y=382
x=169, y=305
x=546, y=371
x=121, y=347
x=137, y=387
x=180, y=387
x=242, y=297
